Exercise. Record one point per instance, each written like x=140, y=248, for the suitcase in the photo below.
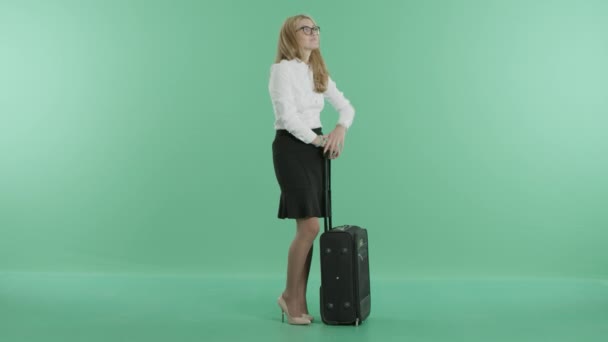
x=345, y=296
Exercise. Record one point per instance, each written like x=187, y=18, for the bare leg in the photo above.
x=304, y=278
x=299, y=251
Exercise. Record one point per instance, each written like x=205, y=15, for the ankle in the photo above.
x=289, y=297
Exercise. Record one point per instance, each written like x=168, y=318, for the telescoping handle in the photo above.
x=327, y=190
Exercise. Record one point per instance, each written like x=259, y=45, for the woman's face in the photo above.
x=307, y=34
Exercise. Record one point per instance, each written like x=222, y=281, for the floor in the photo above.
x=129, y=307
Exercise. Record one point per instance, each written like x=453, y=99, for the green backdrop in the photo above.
x=135, y=136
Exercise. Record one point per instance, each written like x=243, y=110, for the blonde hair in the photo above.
x=288, y=49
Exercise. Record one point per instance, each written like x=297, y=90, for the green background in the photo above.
x=135, y=136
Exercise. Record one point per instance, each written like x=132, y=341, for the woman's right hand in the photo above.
x=320, y=141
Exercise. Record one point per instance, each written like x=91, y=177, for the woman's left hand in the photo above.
x=335, y=142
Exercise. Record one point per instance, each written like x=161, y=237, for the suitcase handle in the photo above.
x=327, y=190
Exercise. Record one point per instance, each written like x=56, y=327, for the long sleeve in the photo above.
x=340, y=103
x=283, y=101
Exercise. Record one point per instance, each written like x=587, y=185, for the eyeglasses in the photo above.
x=309, y=30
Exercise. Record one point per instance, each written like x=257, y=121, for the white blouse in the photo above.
x=297, y=107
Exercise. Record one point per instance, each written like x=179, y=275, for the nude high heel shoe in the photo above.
x=308, y=317
x=290, y=320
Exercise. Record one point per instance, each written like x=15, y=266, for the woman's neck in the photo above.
x=305, y=56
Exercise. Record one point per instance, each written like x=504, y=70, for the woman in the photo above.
x=299, y=84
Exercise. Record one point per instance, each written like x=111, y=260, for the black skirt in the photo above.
x=299, y=171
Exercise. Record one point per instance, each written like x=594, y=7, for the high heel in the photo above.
x=290, y=320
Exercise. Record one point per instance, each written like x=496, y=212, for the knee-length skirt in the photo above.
x=299, y=171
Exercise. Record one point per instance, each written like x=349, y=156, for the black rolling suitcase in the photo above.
x=345, y=283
